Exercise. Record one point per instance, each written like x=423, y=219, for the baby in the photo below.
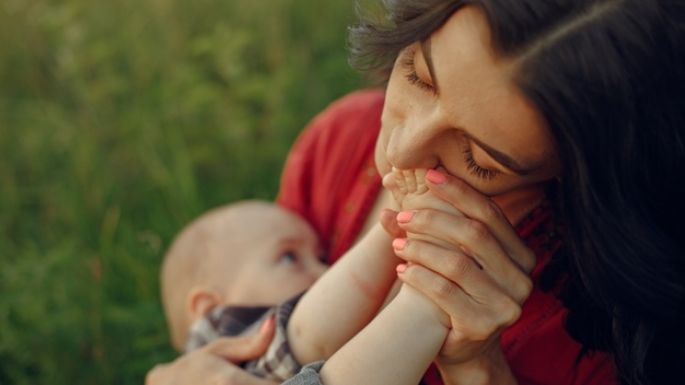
x=343, y=304
x=249, y=255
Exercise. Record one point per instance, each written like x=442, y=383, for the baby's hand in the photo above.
x=409, y=189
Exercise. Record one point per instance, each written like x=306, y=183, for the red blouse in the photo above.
x=330, y=179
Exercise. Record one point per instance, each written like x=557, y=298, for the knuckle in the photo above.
x=459, y=266
x=443, y=289
x=476, y=232
x=509, y=313
x=482, y=330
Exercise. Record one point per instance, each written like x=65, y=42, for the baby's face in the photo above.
x=277, y=257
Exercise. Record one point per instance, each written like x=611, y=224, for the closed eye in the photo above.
x=477, y=170
x=408, y=63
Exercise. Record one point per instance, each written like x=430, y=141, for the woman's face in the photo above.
x=451, y=103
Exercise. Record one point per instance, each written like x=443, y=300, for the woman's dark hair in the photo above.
x=609, y=77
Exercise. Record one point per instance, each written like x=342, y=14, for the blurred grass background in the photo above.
x=119, y=122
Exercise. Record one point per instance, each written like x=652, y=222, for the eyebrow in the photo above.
x=427, y=55
x=503, y=158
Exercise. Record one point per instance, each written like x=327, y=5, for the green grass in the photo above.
x=119, y=122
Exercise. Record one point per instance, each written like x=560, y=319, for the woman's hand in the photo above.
x=480, y=283
x=215, y=363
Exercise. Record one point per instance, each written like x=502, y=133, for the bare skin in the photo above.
x=410, y=191
x=462, y=114
x=247, y=253
x=410, y=322
x=215, y=363
x=465, y=106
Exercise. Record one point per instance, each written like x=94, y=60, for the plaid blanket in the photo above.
x=278, y=363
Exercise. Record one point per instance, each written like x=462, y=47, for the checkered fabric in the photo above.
x=278, y=363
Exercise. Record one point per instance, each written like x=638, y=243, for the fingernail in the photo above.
x=405, y=216
x=267, y=324
x=436, y=177
x=399, y=243
x=401, y=268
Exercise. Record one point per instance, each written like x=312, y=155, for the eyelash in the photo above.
x=475, y=169
x=412, y=77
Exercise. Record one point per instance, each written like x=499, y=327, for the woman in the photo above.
x=576, y=103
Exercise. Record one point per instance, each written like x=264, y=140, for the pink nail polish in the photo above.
x=405, y=216
x=401, y=268
x=399, y=243
x=436, y=177
x=266, y=325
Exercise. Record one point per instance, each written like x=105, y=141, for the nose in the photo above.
x=413, y=144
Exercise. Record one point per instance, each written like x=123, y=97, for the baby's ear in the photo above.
x=200, y=301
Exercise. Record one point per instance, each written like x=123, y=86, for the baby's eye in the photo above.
x=288, y=257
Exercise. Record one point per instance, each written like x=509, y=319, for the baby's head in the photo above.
x=247, y=253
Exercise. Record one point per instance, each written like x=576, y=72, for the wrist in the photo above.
x=421, y=306
x=486, y=369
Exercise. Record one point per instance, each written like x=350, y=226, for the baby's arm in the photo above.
x=344, y=299
x=349, y=295
x=397, y=347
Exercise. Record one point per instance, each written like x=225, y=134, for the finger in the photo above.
x=470, y=235
x=389, y=223
x=461, y=268
x=243, y=348
x=475, y=240
x=457, y=267
x=477, y=206
x=478, y=320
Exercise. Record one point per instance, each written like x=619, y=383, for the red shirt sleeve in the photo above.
x=329, y=173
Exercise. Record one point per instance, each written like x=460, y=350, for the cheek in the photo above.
x=392, y=116
x=380, y=158
x=293, y=284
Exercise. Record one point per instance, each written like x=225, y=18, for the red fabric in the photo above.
x=330, y=180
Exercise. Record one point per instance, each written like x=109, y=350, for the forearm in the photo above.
x=396, y=348
x=344, y=300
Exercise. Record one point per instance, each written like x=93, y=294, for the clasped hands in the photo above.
x=477, y=271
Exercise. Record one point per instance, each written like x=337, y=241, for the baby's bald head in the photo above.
x=239, y=254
